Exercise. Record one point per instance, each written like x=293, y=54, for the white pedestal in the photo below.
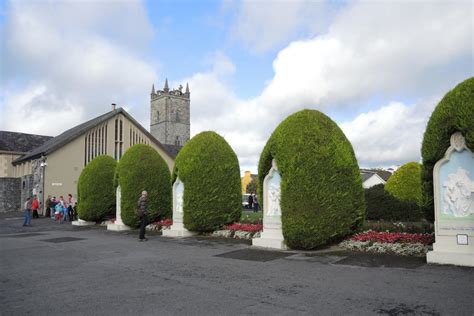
x=81, y=222
x=177, y=230
x=117, y=227
x=270, y=238
x=446, y=251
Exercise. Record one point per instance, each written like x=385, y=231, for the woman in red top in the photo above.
x=34, y=207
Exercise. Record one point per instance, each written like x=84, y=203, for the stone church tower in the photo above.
x=170, y=115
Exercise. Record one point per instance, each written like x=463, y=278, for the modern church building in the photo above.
x=53, y=167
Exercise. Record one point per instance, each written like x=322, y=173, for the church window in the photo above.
x=177, y=116
x=176, y=142
x=157, y=116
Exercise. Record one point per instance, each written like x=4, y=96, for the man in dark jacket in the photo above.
x=142, y=213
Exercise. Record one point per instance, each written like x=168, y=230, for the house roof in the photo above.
x=381, y=173
x=57, y=142
x=366, y=176
x=21, y=142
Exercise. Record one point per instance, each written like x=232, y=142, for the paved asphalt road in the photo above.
x=53, y=269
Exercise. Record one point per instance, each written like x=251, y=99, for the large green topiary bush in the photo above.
x=321, y=188
x=209, y=170
x=405, y=183
x=454, y=113
x=142, y=168
x=381, y=205
x=96, y=190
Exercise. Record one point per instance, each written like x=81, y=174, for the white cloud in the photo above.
x=76, y=58
x=70, y=61
x=390, y=135
x=264, y=25
x=384, y=51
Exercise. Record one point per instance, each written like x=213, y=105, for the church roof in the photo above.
x=20, y=142
x=57, y=142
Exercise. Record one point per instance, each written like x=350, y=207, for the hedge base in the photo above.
x=270, y=239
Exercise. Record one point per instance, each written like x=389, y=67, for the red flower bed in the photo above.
x=251, y=228
x=391, y=238
x=164, y=222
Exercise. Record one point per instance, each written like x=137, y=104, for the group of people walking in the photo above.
x=60, y=210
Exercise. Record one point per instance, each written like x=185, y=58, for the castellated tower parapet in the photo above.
x=170, y=115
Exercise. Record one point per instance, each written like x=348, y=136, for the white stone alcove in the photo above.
x=272, y=234
x=177, y=229
x=118, y=225
x=453, y=184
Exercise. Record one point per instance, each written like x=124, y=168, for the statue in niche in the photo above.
x=274, y=194
x=457, y=194
x=179, y=196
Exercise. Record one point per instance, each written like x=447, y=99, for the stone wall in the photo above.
x=10, y=192
x=26, y=187
x=173, y=119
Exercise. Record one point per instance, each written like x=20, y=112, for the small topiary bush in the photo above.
x=209, y=170
x=381, y=205
x=454, y=113
x=321, y=190
x=142, y=168
x=96, y=190
x=405, y=183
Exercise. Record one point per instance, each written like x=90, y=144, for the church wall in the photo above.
x=10, y=194
x=63, y=169
x=65, y=164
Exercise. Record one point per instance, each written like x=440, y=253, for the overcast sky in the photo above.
x=377, y=68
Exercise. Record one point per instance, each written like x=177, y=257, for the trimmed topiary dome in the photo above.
x=209, y=170
x=96, y=190
x=454, y=113
x=321, y=187
x=405, y=183
x=142, y=168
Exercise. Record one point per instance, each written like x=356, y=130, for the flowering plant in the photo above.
x=402, y=249
x=165, y=222
x=391, y=238
x=251, y=228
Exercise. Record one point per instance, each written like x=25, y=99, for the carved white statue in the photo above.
x=274, y=194
x=457, y=194
x=179, y=195
x=177, y=229
x=272, y=234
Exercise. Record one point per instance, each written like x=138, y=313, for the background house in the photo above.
x=246, y=179
x=371, y=177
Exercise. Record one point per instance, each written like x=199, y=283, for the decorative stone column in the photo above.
x=177, y=229
x=453, y=184
x=272, y=235
x=118, y=225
